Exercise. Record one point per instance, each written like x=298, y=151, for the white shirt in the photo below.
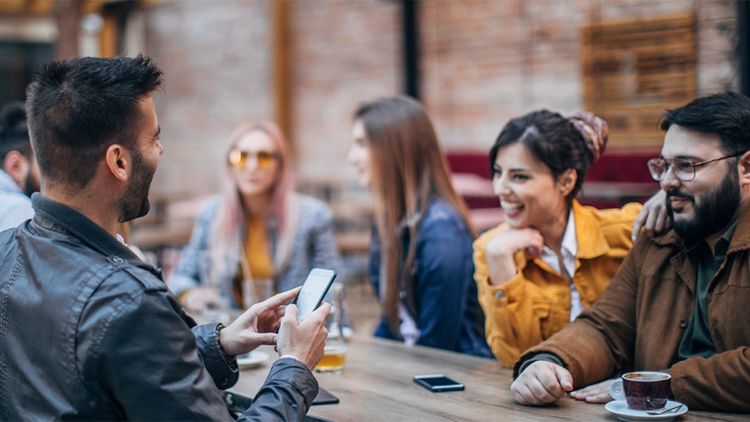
x=16, y=207
x=568, y=250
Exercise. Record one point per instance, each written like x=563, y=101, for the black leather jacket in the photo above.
x=90, y=332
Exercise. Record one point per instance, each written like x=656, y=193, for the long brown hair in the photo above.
x=408, y=171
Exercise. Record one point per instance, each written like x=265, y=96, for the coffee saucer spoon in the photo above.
x=673, y=409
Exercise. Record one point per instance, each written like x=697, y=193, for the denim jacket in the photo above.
x=90, y=332
x=313, y=246
x=447, y=311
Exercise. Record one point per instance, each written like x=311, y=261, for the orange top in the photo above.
x=258, y=263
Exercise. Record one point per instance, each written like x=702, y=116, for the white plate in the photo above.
x=620, y=408
x=252, y=359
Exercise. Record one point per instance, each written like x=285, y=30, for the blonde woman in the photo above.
x=260, y=237
x=420, y=260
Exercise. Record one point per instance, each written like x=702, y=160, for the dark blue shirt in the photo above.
x=446, y=310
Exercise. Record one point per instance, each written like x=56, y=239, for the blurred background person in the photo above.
x=552, y=257
x=420, y=255
x=19, y=174
x=260, y=237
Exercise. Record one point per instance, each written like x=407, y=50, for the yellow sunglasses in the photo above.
x=240, y=158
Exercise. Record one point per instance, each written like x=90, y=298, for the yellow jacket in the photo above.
x=535, y=304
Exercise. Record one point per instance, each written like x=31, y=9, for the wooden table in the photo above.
x=376, y=385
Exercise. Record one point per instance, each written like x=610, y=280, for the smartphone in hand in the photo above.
x=313, y=291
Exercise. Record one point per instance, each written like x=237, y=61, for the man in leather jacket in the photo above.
x=88, y=330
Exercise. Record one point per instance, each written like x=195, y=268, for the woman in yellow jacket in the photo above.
x=552, y=257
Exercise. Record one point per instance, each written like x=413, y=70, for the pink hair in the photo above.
x=231, y=215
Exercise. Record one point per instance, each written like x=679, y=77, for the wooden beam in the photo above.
x=68, y=18
x=281, y=69
x=108, y=35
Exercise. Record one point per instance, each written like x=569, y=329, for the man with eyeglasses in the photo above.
x=680, y=300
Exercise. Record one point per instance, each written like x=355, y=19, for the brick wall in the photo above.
x=483, y=61
x=343, y=53
x=486, y=61
x=216, y=58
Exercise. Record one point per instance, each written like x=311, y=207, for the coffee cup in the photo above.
x=642, y=390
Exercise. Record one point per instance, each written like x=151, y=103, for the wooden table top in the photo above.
x=376, y=385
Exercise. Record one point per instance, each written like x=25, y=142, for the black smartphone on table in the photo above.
x=438, y=383
x=324, y=397
x=313, y=291
x=238, y=403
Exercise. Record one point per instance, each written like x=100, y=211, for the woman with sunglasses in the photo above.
x=260, y=237
x=420, y=255
x=552, y=257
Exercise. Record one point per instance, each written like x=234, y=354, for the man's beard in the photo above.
x=715, y=212
x=134, y=202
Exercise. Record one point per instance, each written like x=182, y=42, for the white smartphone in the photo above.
x=313, y=291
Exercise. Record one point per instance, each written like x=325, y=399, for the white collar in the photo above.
x=569, y=241
x=569, y=244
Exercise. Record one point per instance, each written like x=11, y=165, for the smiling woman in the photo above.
x=552, y=258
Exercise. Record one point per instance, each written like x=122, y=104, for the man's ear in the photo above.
x=17, y=166
x=567, y=181
x=117, y=161
x=744, y=169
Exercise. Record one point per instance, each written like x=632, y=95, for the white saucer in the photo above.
x=620, y=408
x=252, y=359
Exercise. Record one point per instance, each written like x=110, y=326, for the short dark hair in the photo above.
x=78, y=107
x=14, y=134
x=551, y=139
x=726, y=115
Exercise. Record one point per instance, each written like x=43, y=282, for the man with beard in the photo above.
x=19, y=174
x=89, y=331
x=680, y=300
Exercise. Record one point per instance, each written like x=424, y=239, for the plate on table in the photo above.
x=624, y=413
x=252, y=359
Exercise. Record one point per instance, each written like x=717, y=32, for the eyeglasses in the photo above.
x=683, y=170
x=263, y=159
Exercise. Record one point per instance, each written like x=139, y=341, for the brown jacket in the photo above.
x=639, y=321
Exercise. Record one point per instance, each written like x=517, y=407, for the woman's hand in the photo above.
x=504, y=245
x=198, y=299
x=653, y=218
x=256, y=326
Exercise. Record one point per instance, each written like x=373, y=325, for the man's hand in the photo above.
x=653, y=218
x=541, y=383
x=594, y=393
x=304, y=340
x=256, y=326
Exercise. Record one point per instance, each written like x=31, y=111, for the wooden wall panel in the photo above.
x=635, y=69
